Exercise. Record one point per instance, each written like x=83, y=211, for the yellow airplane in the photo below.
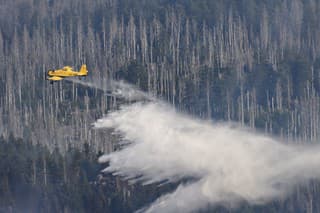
x=67, y=71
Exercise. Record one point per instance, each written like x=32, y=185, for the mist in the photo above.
x=225, y=163
x=119, y=89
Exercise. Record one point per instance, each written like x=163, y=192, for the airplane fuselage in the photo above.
x=62, y=73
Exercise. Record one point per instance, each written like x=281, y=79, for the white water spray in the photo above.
x=229, y=164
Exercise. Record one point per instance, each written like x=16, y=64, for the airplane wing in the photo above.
x=55, y=78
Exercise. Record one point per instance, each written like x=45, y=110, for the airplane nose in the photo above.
x=47, y=74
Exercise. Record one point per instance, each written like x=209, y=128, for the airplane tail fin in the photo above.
x=83, y=70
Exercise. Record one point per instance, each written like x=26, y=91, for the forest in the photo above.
x=253, y=62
